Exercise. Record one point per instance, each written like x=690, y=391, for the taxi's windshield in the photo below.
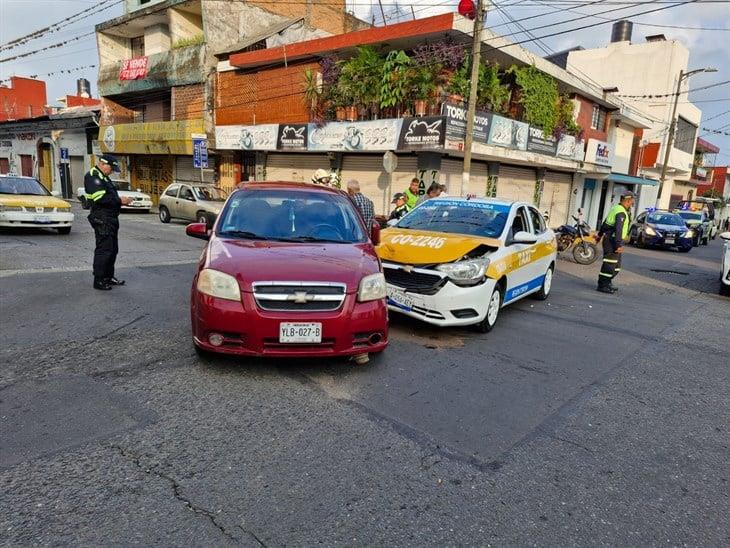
x=209, y=194
x=473, y=218
x=665, y=219
x=22, y=185
x=291, y=216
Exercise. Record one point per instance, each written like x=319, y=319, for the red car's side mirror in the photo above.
x=198, y=230
x=375, y=233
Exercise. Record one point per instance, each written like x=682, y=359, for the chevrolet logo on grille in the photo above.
x=300, y=297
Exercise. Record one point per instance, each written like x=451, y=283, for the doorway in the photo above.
x=45, y=166
x=602, y=202
x=26, y=165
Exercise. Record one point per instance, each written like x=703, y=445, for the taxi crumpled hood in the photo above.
x=257, y=261
x=425, y=247
x=28, y=200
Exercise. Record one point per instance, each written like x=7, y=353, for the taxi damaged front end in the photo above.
x=447, y=293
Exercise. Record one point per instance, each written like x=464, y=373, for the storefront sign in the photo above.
x=599, y=152
x=508, y=133
x=261, y=137
x=422, y=133
x=150, y=138
x=456, y=126
x=376, y=135
x=292, y=137
x=133, y=69
x=538, y=142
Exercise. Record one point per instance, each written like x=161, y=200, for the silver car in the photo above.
x=200, y=203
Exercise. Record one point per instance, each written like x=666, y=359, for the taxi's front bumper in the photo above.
x=25, y=219
x=431, y=297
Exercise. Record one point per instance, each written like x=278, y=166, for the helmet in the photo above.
x=321, y=174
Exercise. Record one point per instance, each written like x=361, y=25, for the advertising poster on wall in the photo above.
x=571, y=148
x=375, y=136
x=456, y=126
x=538, y=142
x=508, y=133
x=292, y=137
x=261, y=137
x=422, y=133
x=599, y=152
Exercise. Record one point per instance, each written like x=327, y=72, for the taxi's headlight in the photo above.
x=219, y=285
x=466, y=272
x=10, y=208
x=372, y=288
x=650, y=231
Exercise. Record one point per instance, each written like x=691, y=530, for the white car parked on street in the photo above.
x=725, y=272
x=140, y=201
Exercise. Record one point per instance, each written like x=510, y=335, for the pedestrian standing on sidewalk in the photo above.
x=364, y=204
x=614, y=231
x=106, y=204
x=412, y=193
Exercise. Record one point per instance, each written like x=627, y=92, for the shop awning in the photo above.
x=630, y=179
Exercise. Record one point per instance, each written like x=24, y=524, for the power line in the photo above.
x=46, y=48
x=674, y=94
x=717, y=116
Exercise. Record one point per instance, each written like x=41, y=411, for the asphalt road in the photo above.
x=586, y=419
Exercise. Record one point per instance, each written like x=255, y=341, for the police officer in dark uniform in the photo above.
x=615, y=232
x=105, y=204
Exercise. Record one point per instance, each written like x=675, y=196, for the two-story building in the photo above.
x=645, y=75
x=266, y=128
x=157, y=75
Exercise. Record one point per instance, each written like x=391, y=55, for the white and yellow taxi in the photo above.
x=458, y=261
x=25, y=203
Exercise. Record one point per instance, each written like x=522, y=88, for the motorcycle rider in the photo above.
x=106, y=204
x=614, y=232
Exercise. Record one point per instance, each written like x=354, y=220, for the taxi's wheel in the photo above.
x=164, y=214
x=495, y=303
x=547, y=284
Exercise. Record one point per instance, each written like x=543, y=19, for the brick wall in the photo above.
x=270, y=96
x=188, y=102
x=585, y=113
x=328, y=15
x=114, y=113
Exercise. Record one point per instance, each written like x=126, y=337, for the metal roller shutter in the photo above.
x=516, y=183
x=186, y=173
x=450, y=175
x=294, y=167
x=556, y=197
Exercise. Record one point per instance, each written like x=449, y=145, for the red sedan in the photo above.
x=289, y=271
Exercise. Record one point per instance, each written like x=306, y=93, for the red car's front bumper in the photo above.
x=355, y=328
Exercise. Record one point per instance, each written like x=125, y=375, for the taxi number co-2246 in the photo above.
x=419, y=241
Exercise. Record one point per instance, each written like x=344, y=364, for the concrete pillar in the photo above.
x=539, y=185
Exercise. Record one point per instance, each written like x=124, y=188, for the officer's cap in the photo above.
x=110, y=160
x=398, y=196
x=628, y=194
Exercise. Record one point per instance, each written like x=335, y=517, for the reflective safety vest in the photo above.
x=611, y=219
x=411, y=199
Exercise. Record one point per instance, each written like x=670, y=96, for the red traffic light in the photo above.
x=467, y=9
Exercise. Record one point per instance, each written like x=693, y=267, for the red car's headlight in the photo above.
x=218, y=284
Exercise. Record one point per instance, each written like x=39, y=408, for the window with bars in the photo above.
x=684, y=138
x=598, y=118
x=137, y=46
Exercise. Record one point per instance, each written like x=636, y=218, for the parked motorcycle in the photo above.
x=578, y=238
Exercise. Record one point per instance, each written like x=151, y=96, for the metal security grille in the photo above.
x=413, y=280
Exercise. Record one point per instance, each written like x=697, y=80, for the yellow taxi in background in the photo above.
x=25, y=203
x=458, y=261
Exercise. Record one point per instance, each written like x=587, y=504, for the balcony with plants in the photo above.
x=372, y=85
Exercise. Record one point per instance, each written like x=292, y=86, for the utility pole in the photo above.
x=673, y=125
x=472, y=106
x=670, y=137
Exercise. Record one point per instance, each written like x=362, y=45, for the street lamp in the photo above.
x=673, y=125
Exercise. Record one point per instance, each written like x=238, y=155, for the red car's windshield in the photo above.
x=296, y=216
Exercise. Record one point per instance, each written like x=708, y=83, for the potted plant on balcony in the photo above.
x=424, y=85
x=395, y=81
x=491, y=93
x=312, y=91
x=458, y=85
x=360, y=76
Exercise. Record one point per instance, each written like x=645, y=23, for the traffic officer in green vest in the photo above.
x=105, y=204
x=412, y=193
x=614, y=231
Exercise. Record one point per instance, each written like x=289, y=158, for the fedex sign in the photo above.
x=599, y=152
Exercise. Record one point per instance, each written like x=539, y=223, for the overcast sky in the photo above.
x=708, y=48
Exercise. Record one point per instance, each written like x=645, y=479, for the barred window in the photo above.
x=684, y=138
x=598, y=118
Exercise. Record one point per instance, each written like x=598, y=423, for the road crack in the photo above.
x=576, y=444
x=178, y=494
